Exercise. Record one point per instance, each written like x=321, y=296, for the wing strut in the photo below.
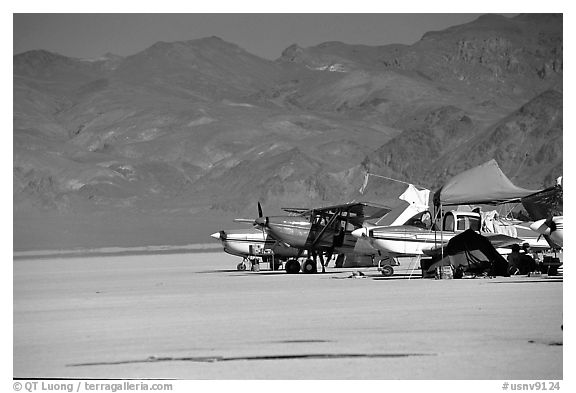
x=317, y=239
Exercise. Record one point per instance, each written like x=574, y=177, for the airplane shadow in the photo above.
x=548, y=280
x=397, y=277
x=217, y=271
x=263, y=273
x=419, y=277
x=243, y=273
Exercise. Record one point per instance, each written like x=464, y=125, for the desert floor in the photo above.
x=193, y=316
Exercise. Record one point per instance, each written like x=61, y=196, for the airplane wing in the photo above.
x=497, y=240
x=246, y=220
x=296, y=210
x=434, y=251
x=358, y=212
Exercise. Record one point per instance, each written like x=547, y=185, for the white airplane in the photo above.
x=484, y=184
x=420, y=237
x=252, y=244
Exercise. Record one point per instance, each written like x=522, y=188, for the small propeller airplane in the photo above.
x=421, y=236
x=251, y=244
x=322, y=232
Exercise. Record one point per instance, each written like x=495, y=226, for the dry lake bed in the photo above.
x=193, y=316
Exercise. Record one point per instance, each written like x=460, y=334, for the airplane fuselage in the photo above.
x=250, y=243
x=403, y=239
x=294, y=231
x=301, y=233
x=413, y=240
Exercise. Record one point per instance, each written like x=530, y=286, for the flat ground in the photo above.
x=193, y=316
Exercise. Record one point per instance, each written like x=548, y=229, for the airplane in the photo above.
x=321, y=232
x=487, y=184
x=328, y=230
x=420, y=236
x=252, y=244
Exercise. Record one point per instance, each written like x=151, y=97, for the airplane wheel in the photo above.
x=309, y=267
x=241, y=266
x=292, y=266
x=387, y=271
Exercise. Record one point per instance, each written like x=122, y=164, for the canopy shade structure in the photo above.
x=484, y=184
x=544, y=204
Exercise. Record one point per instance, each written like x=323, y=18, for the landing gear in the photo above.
x=387, y=270
x=385, y=266
x=242, y=266
x=309, y=266
x=292, y=266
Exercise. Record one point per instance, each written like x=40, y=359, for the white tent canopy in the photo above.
x=484, y=184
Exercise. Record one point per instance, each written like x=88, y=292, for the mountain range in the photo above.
x=168, y=145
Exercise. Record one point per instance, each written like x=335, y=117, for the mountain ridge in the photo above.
x=202, y=127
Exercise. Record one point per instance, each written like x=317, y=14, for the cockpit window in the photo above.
x=421, y=220
x=461, y=224
x=468, y=222
x=449, y=222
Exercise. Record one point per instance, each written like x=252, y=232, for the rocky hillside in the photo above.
x=193, y=133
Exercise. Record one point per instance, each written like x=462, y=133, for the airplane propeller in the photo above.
x=261, y=221
x=551, y=224
x=252, y=221
x=544, y=226
x=550, y=229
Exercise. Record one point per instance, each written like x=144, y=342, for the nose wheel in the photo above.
x=387, y=270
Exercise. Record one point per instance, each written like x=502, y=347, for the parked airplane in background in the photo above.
x=421, y=237
x=252, y=244
x=323, y=232
x=485, y=184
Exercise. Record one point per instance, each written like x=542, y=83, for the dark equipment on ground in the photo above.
x=473, y=254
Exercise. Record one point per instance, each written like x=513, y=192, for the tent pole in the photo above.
x=441, y=232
